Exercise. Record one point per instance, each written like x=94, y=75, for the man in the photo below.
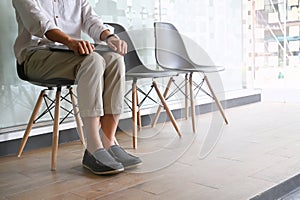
x=100, y=77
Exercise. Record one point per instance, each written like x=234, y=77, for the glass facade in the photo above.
x=215, y=26
x=274, y=43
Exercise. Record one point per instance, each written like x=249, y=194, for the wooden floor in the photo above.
x=258, y=149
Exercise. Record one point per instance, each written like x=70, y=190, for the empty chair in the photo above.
x=136, y=70
x=171, y=54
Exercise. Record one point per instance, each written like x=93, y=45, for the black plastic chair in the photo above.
x=171, y=54
x=50, y=105
x=136, y=70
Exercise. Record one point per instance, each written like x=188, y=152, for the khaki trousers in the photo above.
x=100, y=78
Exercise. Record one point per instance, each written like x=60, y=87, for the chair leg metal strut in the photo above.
x=136, y=119
x=159, y=107
x=56, y=105
x=162, y=99
x=190, y=96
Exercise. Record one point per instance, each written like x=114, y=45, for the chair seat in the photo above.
x=53, y=82
x=197, y=68
x=143, y=72
x=44, y=83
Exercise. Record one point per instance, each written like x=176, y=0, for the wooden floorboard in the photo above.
x=249, y=156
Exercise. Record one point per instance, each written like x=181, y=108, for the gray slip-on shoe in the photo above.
x=120, y=155
x=103, y=164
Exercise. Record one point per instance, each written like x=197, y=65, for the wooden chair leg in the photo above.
x=139, y=119
x=157, y=114
x=162, y=99
x=216, y=99
x=55, y=129
x=30, y=123
x=186, y=97
x=192, y=103
x=77, y=116
x=134, y=115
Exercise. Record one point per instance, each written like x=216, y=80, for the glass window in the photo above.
x=215, y=26
x=273, y=45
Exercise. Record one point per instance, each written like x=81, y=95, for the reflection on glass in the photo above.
x=214, y=25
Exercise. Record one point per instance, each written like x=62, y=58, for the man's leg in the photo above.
x=91, y=126
x=88, y=70
x=90, y=79
x=109, y=124
x=113, y=100
x=113, y=96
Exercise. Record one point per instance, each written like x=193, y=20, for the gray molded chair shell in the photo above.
x=135, y=70
x=171, y=53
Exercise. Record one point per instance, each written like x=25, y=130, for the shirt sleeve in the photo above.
x=35, y=22
x=92, y=24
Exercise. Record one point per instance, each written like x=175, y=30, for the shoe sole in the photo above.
x=116, y=171
x=133, y=166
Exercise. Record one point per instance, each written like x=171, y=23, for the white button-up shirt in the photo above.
x=36, y=17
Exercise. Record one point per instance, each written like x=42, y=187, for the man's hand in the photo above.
x=119, y=46
x=80, y=47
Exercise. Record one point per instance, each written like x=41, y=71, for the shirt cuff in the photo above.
x=105, y=27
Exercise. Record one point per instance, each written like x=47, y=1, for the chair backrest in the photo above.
x=170, y=51
x=132, y=59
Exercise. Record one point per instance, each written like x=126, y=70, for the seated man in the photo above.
x=99, y=77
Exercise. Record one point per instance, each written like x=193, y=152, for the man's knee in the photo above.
x=94, y=62
x=115, y=62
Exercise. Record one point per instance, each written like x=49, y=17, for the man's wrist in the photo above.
x=110, y=36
